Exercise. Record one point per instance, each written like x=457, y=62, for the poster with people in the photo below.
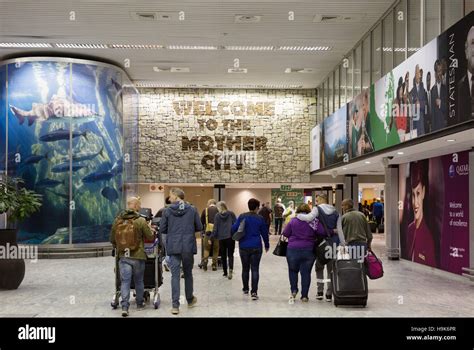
x=434, y=212
x=335, y=137
x=430, y=91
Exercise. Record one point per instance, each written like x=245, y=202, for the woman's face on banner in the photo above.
x=417, y=197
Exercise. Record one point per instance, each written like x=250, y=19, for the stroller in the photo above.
x=153, y=277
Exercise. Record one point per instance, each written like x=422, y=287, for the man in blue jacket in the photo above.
x=250, y=245
x=179, y=223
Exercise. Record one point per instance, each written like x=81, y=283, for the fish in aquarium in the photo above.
x=61, y=134
x=86, y=156
x=33, y=159
x=117, y=168
x=109, y=193
x=49, y=183
x=64, y=167
x=58, y=109
x=98, y=176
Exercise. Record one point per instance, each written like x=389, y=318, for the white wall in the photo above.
x=153, y=200
x=236, y=198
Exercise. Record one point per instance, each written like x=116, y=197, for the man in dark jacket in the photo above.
x=465, y=86
x=179, y=223
x=207, y=220
x=250, y=245
x=278, y=211
x=131, y=262
x=266, y=213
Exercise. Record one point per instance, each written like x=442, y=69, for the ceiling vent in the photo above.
x=336, y=18
x=247, y=19
x=144, y=16
x=237, y=70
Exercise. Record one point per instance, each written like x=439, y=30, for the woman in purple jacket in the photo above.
x=301, y=236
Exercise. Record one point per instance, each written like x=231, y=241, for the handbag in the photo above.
x=209, y=225
x=322, y=249
x=281, y=247
x=240, y=231
x=373, y=266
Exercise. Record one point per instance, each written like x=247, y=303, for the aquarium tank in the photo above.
x=69, y=129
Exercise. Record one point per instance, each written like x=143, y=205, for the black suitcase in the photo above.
x=349, y=283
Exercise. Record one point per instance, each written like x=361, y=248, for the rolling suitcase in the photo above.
x=349, y=283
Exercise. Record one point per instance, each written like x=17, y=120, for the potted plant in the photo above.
x=17, y=203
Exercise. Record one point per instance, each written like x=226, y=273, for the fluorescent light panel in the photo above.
x=24, y=45
x=136, y=46
x=191, y=47
x=81, y=46
x=249, y=48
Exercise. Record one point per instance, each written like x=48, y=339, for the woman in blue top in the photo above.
x=250, y=245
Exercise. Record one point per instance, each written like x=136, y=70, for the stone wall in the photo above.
x=222, y=136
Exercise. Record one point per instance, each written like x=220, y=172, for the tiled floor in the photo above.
x=84, y=287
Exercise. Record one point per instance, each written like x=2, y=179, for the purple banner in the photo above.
x=434, y=212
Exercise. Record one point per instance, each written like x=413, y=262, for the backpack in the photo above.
x=126, y=236
x=278, y=209
x=329, y=220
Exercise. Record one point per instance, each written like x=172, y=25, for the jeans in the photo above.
x=278, y=225
x=300, y=261
x=187, y=259
x=207, y=250
x=250, y=258
x=227, y=247
x=333, y=240
x=129, y=267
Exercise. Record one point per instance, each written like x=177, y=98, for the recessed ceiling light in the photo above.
x=400, y=153
x=192, y=47
x=249, y=48
x=450, y=140
x=237, y=70
x=25, y=45
x=247, y=19
x=179, y=70
x=288, y=70
x=305, y=48
x=81, y=46
x=136, y=47
x=367, y=162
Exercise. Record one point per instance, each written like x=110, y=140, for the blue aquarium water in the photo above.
x=56, y=109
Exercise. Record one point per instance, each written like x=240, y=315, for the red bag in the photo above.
x=373, y=265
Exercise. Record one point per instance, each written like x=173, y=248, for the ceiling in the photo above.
x=205, y=23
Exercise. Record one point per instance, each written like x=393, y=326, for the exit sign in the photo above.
x=285, y=188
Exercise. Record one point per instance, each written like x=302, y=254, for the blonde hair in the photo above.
x=221, y=206
x=131, y=200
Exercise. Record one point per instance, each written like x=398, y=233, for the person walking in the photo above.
x=356, y=229
x=207, y=220
x=179, y=223
x=128, y=233
x=250, y=246
x=278, y=211
x=222, y=231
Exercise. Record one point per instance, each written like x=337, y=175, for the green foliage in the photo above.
x=18, y=202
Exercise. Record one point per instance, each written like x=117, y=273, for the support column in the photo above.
x=351, y=189
x=339, y=197
x=391, y=211
x=327, y=190
x=471, y=208
x=219, y=191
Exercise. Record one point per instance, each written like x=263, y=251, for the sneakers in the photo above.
x=304, y=299
x=214, y=268
x=141, y=307
x=167, y=269
x=124, y=312
x=319, y=296
x=175, y=311
x=328, y=298
x=204, y=267
x=225, y=275
x=230, y=275
x=193, y=302
x=254, y=296
x=246, y=292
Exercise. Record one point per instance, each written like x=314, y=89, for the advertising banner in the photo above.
x=434, y=212
x=315, y=148
x=430, y=91
x=335, y=137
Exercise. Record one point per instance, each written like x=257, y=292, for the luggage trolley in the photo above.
x=153, y=276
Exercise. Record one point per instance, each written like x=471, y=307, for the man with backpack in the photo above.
x=179, y=223
x=128, y=233
x=331, y=221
